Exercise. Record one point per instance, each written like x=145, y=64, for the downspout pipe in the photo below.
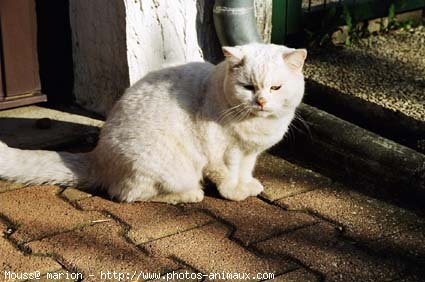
x=235, y=22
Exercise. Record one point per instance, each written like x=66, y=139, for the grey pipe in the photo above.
x=235, y=22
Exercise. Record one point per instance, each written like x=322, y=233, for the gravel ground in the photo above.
x=387, y=69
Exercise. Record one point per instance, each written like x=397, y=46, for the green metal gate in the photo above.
x=292, y=16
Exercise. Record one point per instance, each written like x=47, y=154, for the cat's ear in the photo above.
x=233, y=54
x=295, y=59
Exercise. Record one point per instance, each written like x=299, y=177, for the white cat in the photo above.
x=178, y=125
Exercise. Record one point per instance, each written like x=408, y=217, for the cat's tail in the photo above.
x=37, y=167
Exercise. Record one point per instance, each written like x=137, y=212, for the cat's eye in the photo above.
x=249, y=87
x=274, y=88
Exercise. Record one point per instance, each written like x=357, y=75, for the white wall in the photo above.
x=99, y=52
x=115, y=44
x=160, y=32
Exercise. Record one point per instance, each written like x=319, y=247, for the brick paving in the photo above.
x=99, y=247
x=208, y=249
x=148, y=221
x=320, y=249
x=253, y=219
x=362, y=217
x=16, y=260
x=39, y=212
x=304, y=227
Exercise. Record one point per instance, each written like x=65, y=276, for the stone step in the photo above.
x=355, y=155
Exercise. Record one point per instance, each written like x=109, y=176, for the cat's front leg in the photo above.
x=227, y=177
x=246, y=179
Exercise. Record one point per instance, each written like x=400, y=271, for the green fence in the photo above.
x=293, y=16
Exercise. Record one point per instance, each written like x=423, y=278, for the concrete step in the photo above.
x=352, y=154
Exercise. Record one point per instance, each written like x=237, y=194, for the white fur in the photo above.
x=178, y=125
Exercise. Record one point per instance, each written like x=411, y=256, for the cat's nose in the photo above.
x=260, y=101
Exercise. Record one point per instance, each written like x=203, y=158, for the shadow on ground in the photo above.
x=28, y=133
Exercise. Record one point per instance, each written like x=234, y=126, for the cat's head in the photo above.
x=267, y=79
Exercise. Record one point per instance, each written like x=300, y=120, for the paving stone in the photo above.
x=100, y=247
x=148, y=221
x=8, y=186
x=282, y=179
x=209, y=250
x=408, y=244
x=319, y=248
x=411, y=278
x=13, y=260
x=298, y=275
x=5, y=230
x=72, y=194
x=3, y=227
x=253, y=218
x=39, y=212
x=363, y=217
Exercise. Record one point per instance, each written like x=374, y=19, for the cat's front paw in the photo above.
x=234, y=192
x=254, y=187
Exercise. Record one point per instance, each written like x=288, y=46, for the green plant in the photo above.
x=391, y=17
x=348, y=19
x=394, y=23
x=354, y=29
x=322, y=35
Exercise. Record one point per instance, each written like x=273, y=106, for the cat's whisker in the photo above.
x=234, y=115
x=228, y=117
x=247, y=113
x=229, y=109
x=222, y=116
x=305, y=125
x=293, y=129
x=292, y=126
x=291, y=135
x=243, y=114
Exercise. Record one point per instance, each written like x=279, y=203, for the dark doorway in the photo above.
x=55, y=50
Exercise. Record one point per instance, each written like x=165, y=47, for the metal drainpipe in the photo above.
x=235, y=22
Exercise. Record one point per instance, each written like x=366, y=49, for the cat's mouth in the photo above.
x=261, y=111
